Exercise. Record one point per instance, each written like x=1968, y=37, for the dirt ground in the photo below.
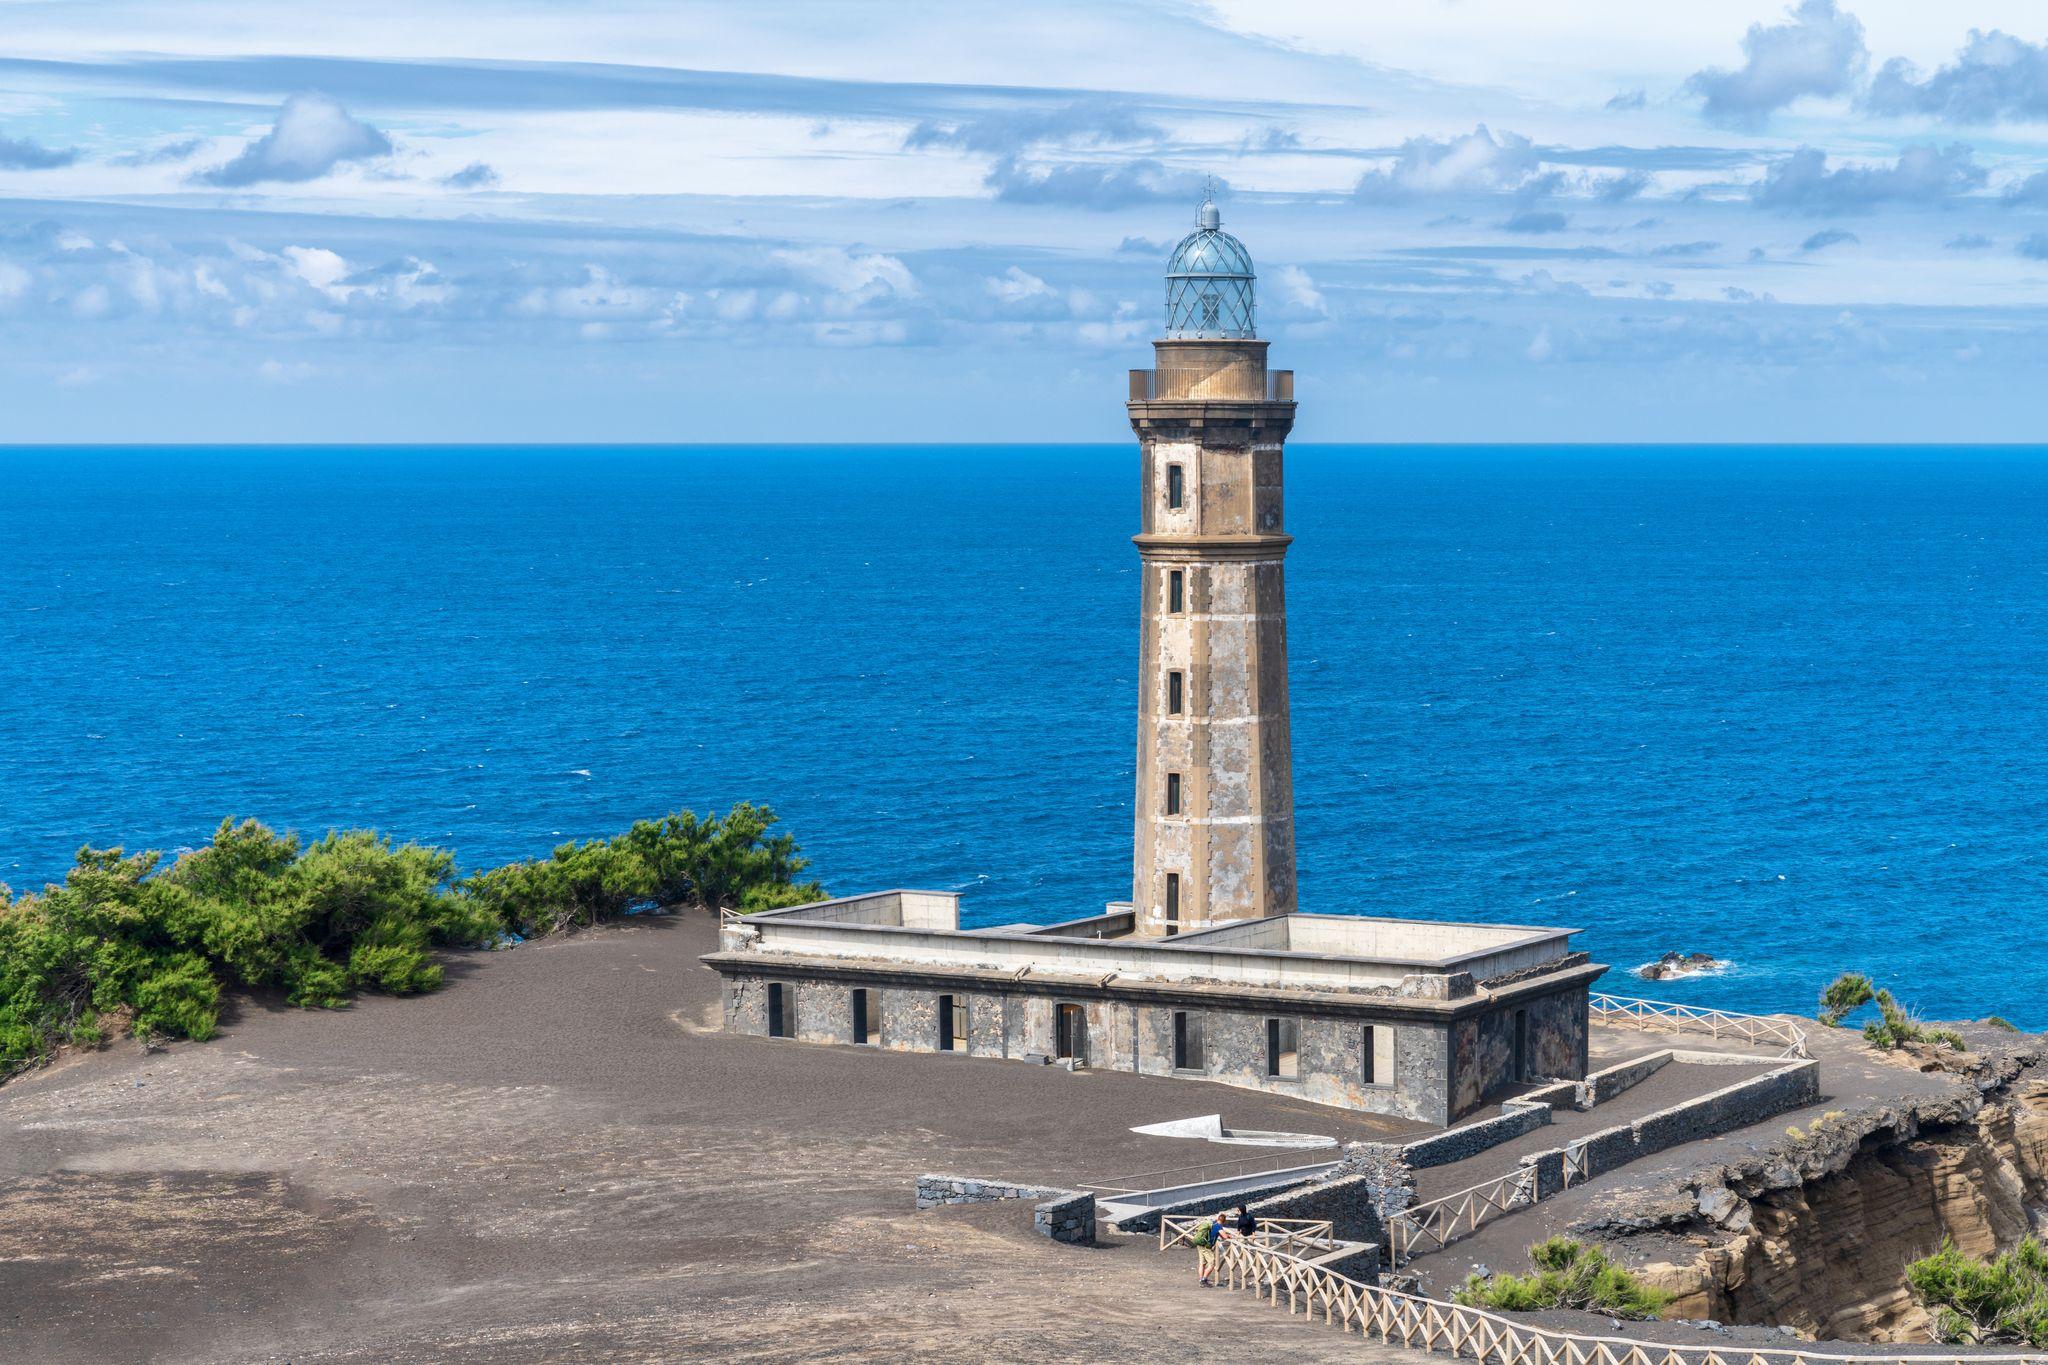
x=559, y=1157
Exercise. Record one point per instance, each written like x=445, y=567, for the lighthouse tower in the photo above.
x=1215, y=800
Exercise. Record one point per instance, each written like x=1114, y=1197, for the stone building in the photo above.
x=1209, y=970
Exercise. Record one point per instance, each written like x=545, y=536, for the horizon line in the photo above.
x=16, y=446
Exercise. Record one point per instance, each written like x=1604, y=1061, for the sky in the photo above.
x=946, y=220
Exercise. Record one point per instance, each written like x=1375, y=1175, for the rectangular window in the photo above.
x=1189, y=1052
x=1173, y=693
x=952, y=1023
x=781, y=1011
x=1283, y=1041
x=1522, y=1045
x=862, y=1031
x=1172, y=903
x=1379, y=1054
x=1174, y=490
x=1176, y=591
x=1173, y=793
x=1070, y=1034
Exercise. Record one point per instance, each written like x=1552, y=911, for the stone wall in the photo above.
x=1516, y=1118
x=1603, y=1086
x=1017, y=1020
x=1148, y=1220
x=1721, y=1111
x=1062, y=1215
x=1483, y=1046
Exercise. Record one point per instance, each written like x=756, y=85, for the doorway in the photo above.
x=1070, y=1034
x=1522, y=1045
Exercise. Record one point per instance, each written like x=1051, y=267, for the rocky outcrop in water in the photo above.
x=1676, y=966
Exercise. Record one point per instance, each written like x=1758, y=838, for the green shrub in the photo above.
x=1896, y=1026
x=255, y=909
x=1567, y=1274
x=2001, y=1022
x=2000, y=1302
x=1846, y=993
x=182, y=999
x=394, y=968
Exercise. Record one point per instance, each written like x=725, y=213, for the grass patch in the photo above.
x=1566, y=1274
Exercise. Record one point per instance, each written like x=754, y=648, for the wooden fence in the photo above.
x=1430, y=1325
x=1663, y=1016
x=1293, y=1235
x=1443, y=1221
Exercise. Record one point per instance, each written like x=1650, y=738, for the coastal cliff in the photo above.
x=1815, y=1232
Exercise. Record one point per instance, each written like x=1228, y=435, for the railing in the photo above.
x=1430, y=1325
x=1443, y=1221
x=1576, y=1167
x=1664, y=1016
x=1279, y=386
x=1293, y=1235
x=1145, y=1182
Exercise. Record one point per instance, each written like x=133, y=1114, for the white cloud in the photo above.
x=312, y=136
x=1474, y=161
x=1818, y=50
x=1017, y=285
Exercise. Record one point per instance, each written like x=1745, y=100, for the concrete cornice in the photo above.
x=1198, y=549
x=1271, y=419
x=1139, y=990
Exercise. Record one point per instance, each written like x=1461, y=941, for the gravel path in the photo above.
x=559, y=1157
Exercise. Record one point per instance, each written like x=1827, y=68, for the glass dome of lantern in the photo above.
x=1209, y=282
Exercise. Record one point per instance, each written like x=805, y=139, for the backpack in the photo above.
x=1205, y=1235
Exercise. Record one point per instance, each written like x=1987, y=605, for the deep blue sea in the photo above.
x=1786, y=706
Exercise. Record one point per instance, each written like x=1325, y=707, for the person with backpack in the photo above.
x=1208, y=1240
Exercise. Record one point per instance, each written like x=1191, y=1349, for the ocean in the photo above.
x=1785, y=706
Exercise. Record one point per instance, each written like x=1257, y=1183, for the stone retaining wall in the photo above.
x=1710, y=1115
x=1064, y=1215
x=1515, y=1118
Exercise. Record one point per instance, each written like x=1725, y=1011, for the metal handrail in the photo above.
x=1127, y=1184
x=1651, y=1015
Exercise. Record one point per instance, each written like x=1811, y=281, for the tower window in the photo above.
x=1173, y=690
x=1172, y=903
x=1173, y=793
x=1175, y=492
x=1176, y=590
x=1283, y=1043
x=1189, y=1051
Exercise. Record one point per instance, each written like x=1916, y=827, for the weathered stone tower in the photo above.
x=1215, y=806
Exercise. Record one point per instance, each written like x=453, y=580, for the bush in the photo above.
x=1895, y=1026
x=1846, y=993
x=181, y=999
x=256, y=909
x=1568, y=1274
x=2000, y=1302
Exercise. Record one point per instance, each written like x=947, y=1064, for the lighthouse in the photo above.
x=1214, y=835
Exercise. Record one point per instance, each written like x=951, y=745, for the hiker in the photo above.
x=1208, y=1240
x=1247, y=1226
